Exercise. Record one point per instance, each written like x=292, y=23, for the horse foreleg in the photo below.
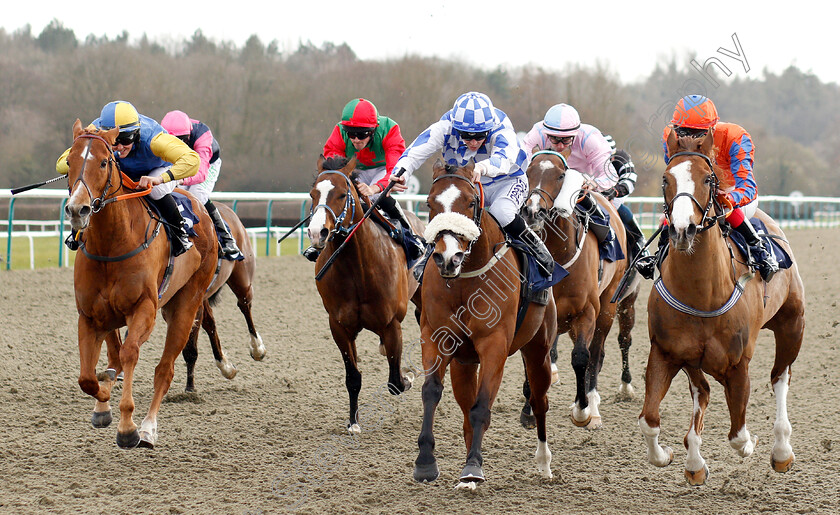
x=140, y=326
x=182, y=312
x=492, y=357
x=346, y=343
x=464, y=379
x=737, y=389
x=789, y=332
x=658, y=377
x=102, y=411
x=190, y=354
x=626, y=322
x=538, y=369
x=391, y=341
x=696, y=470
x=581, y=332
x=208, y=323
x=240, y=284
x=434, y=368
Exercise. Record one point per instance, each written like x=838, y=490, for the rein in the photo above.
x=707, y=222
x=349, y=204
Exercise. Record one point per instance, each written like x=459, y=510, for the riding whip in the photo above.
x=293, y=229
x=367, y=214
x=619, y=291
x=15, y=191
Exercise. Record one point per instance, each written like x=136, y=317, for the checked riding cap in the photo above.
x=561, y=120
x=120, y=114
x=177, y=123
x=473, y=112
x=695, y=112
x=360, y=113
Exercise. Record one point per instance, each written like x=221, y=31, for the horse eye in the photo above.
x=708, y=179
x=342, y=196
x=103, y=164
x=562, y=177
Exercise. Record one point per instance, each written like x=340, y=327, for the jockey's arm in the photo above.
x=61, y=166
x=741, y=167
x=422, y=148
x=393, y=145
x=204, y=148
x=335, y=145
x=185, y=161
x=598, y=155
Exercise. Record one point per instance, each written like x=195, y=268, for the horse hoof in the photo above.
x=257, y=350
x=472, y=474
x=697, y=478
x=782, y=466
x=189, y=388
x=147, y=440
x=626, y=392
x=594, y=423
x=528, y=420
x=469, y=485
x=555, y=374
x=426, y=473
x=101, y=419
x=580, y=423
x=354, y=429
x=128, y=440
x=227, y=369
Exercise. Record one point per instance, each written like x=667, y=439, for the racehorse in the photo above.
x=469, y=318
x=705, y=313
x=239, y=276
x=368, y=285
x=583, y=298
x=121, y=265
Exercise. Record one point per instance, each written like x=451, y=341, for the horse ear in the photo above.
x=350, y=166
x=535, y=149
x=707, y=143
x=470, y=166
x=320, y=163
x=438, y=168
x=111, y=135
x=672, y=143
x=77, y=128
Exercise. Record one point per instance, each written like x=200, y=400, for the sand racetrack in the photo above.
x=272, y=439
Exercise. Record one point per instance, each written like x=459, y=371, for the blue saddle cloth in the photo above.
x=536, y=280
x=779, y=253
x=185, y=207
x=404, y=239
x=609, y=249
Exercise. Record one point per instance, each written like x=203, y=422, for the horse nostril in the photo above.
x=457, y=259
x=691, y=230
x=672, y=233
x=324, y=232
x=85, y=211
x=438, y=259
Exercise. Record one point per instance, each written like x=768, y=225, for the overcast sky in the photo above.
x=629, y=37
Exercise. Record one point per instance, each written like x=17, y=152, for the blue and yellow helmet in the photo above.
x=119, y=113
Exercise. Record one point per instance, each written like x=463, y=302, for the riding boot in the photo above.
x=764, y=260
x=414, y=244
x=229, y=249
x=420, y=266
x=518, y=230
x=646, y=265
x=311, y=253
x=172, y=216
x=587, y=204
x=635, y=238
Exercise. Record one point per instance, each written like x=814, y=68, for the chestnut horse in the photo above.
x=469, y=319
x=368, y=285
x=239, y=276
x=583, y=302
x=705, y=313
x=118, y=273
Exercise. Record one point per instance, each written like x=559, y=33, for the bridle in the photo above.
x=707, y=222
x=96, y=204
x=544, y=195
x=349, y=205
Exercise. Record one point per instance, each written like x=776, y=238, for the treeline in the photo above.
x=272, y=111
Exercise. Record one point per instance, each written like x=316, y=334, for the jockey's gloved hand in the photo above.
x=621, y=190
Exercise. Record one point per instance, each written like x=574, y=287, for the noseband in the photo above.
x=707, y=222
x=349, y=204
x=478, y=196
x=544, y=195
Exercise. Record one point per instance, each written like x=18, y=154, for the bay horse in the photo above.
x=118, y=272
x=469, y=319
x=239, y=276
x=368, y=285
x=705, y=312
x=583, y=298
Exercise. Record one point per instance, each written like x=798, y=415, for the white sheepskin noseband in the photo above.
x=452, y=222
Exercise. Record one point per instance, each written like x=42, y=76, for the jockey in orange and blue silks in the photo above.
x=475, y=130
x=198, y=137
x=376, y=143
x=588, y=151
x=149, y=155
x=695, y=116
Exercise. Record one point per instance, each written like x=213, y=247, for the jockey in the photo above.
x=150, y=156
x=694, y=116
x=376, y=143
x=199, y=138
x=588, y=151
x=474, y=129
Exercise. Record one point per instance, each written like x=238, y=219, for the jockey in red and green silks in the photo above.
x=376, y=143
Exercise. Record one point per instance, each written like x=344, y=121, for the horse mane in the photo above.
x=335, y=163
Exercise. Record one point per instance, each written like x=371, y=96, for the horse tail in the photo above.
x=214, y=299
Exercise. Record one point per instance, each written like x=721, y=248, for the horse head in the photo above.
x=334, y=200
x=93, y=173
x=555, y=189
x=689, y=186
x=455, y=207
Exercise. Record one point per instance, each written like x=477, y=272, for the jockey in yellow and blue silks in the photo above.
x=150, y=156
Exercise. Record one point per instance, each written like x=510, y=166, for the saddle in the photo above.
x=770, y=241
x=535, y=286
x=609, y=248
x=397, y=232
